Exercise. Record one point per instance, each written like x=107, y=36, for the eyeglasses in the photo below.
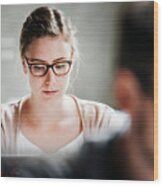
x=60, y=68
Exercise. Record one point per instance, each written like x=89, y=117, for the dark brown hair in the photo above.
x=42, y=22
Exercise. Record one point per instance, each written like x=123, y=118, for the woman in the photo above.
x=48, y=121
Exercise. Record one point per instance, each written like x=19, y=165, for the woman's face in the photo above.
x=48, y=51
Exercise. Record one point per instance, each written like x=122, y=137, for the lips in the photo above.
x=50, y=92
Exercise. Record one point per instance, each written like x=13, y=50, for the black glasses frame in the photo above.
x=47, y=67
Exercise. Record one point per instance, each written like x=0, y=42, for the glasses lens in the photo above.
x=61, y=68
x=38, y=70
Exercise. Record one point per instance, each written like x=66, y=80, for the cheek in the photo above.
x=65, y=83
x=35, y=83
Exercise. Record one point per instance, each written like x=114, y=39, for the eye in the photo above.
x=38, y=67
x=60, y=65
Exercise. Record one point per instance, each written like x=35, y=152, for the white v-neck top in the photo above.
x=99, y=123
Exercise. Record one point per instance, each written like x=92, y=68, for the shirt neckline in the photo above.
x=68, y=145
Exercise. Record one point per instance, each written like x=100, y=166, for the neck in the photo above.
x=47, y=105
x=47, y=112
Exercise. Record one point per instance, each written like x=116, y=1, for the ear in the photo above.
x=73, y=60
x=25, y=70
x=127, y=91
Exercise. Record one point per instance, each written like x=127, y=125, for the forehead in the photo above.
x=49, y=48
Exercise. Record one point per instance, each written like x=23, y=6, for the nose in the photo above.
x=50, y=77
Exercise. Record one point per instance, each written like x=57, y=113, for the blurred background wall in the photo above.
x=97, y=35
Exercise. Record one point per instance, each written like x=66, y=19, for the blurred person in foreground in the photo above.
x=135, y=90
x=131, y=155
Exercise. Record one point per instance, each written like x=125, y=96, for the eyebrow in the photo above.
x=44, y=61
